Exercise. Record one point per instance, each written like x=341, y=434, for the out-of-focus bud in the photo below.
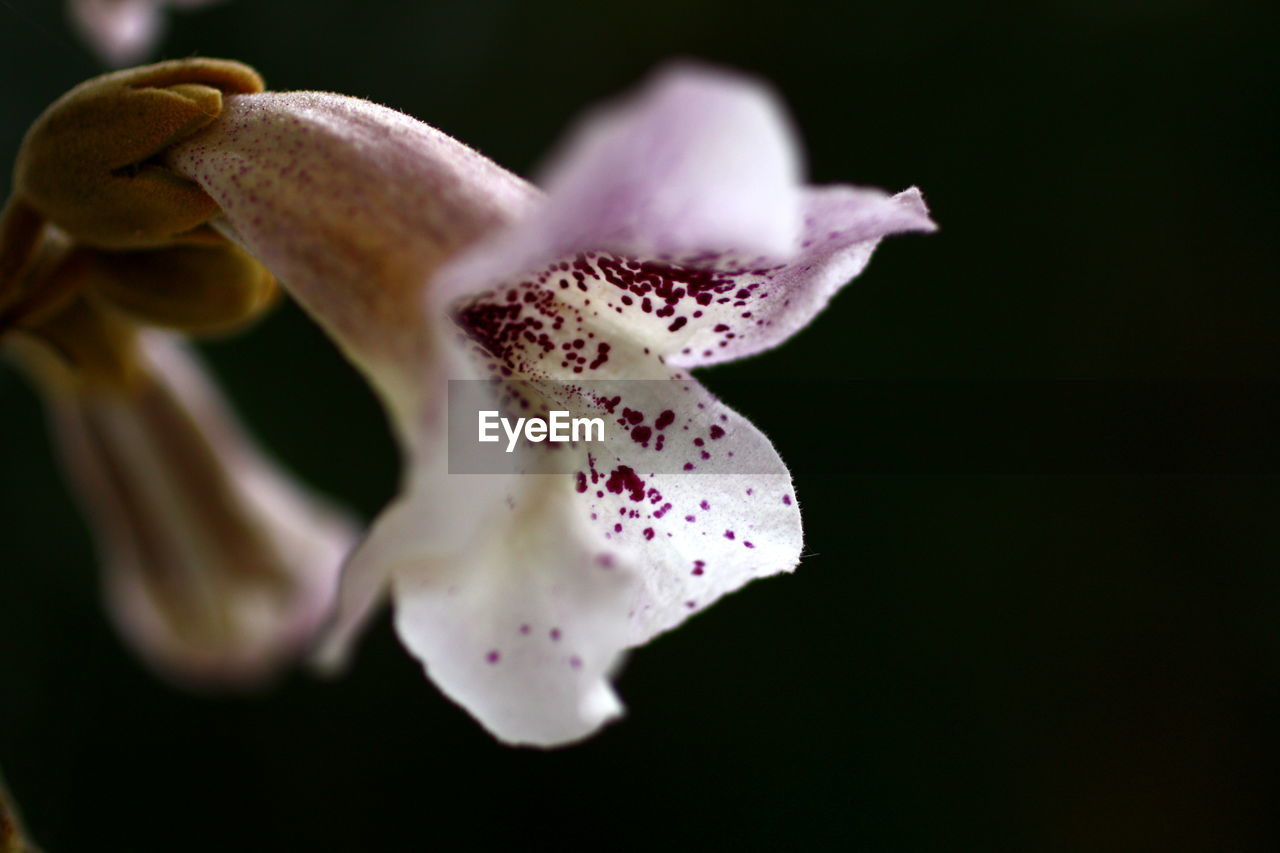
x=218, y=567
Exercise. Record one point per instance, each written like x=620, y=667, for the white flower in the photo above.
x=674, y=233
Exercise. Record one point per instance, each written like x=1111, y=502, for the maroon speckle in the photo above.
x=748, y=544
x=648, y=533
x=698, y=566
x=786, y=499
x=665, y=419
x=602, y=355
x=625, y=478
x=493, y=656
x=524, y=629
x=640, y=435
x=728, y=534
x=575, y=662
x=705, y=505
x=716, y=432
x=582, y=482
x=555, y=634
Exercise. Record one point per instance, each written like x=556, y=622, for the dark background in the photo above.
x=963, y=661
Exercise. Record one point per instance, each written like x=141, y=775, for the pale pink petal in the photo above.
x=700, y=159
x=219, y=568
x=353, y=206
x=727, y=312
x=677, y=222
x=589, y=311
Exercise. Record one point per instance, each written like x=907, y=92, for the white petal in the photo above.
x=523, y=626
x=689, y=494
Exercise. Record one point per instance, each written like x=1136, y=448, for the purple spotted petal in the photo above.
x=676, y=221
x=700, y=159
x=703, y=310
x=679, y=469
x=684, y=502
x=741, y=313
x=524, y=623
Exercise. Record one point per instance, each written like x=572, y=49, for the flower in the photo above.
x=124, y=31
x=674, y=233
x=217, y=566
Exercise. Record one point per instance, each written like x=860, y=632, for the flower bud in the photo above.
x=90, y=163
x=218, y=568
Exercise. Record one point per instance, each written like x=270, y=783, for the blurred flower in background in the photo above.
x=123, y=32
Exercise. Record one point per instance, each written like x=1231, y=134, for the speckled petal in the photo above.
x=219, y=568
x=523, y=627
x=699, y=159
x=683, y=488
x=696, y=311
x=738, y=314
x=353, y=206
x=691, y=495
x=653, y=231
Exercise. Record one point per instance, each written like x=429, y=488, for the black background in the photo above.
x=962, y=662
